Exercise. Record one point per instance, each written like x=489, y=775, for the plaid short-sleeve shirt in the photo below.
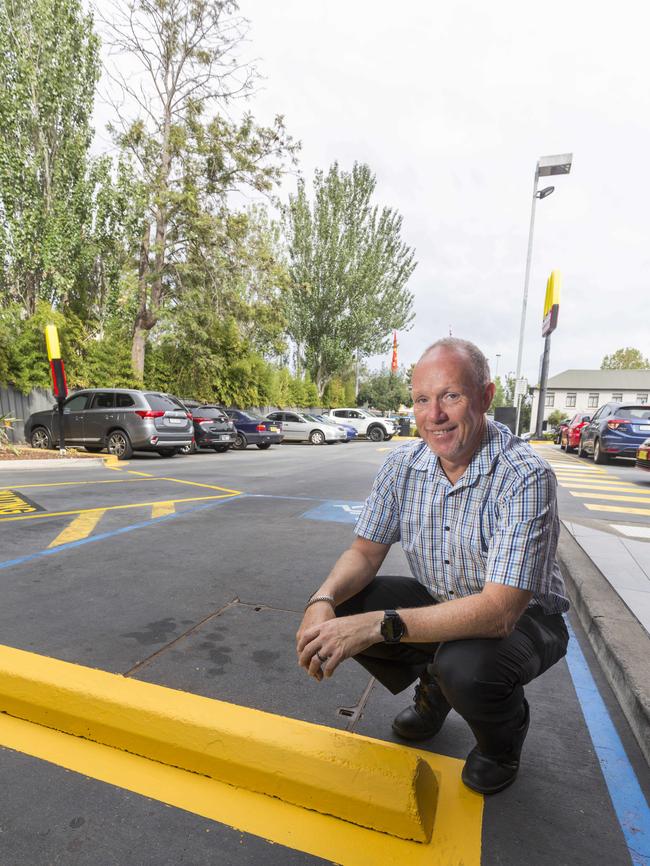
x=498, y=523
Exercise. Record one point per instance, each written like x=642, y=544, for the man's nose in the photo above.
x=436, y=413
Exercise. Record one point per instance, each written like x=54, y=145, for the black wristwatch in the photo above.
x=392, y=627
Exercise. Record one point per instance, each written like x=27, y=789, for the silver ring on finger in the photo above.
x=322, y=659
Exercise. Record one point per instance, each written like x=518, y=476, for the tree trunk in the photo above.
x=137, y=351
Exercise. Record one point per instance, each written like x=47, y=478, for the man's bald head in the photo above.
x=476, y=360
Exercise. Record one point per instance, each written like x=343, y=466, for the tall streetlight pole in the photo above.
x=546, y=166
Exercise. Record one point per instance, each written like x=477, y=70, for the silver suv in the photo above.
x=119, y=420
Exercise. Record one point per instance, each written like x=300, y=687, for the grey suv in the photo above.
x=120, y=420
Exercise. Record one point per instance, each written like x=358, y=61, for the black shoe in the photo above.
x=488, y=774
x=427, y=715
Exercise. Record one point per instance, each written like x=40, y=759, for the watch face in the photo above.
x=392, y=627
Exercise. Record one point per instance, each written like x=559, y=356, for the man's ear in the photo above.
x=488, y=395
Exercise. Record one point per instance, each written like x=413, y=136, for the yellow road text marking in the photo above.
x=12, y=503
x=81, y=527
x=160, y=509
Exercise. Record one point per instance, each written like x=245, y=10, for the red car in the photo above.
x=570, y=437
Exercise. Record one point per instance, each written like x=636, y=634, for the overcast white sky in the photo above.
x=451, y=104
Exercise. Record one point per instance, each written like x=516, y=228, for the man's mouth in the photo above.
x=442, y=432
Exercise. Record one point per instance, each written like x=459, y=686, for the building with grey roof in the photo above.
x=585, y=390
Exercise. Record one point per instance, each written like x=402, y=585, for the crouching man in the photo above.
x=475, y=511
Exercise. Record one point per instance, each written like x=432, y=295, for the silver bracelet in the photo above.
x=328, y=598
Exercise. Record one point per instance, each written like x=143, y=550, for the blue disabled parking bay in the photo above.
x=336, y=511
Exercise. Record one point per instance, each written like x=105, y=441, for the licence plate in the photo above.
x=224, y=436
x=642, y=455
x=275, y=429
x=176, y=420
x=644, y=427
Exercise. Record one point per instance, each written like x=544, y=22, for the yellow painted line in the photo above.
x=230, y=495
x=200, y=484
x=81, y=527
x=144, y=474
x=585, y=485
x=160, y=509
x=619, y=509
x=611, y=498
x=384, y=449
x=340, y=796
x=79, y=483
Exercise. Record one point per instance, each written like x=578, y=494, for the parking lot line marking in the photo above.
x=81, y=527
x=624, y=790
x=79, y=483
x=160, y=509
x=199, y=484
x=585, y=485
x=611, y=498
x=221, y=500
x=618, y=509
x=230, y=495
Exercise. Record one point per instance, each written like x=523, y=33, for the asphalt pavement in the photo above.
x=191, y=574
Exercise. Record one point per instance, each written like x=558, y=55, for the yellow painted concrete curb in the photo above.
x=367, y=782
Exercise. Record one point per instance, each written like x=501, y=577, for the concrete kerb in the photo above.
x=365, y=782
x=621, y=644
x=62, y=463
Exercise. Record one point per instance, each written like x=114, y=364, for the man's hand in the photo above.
x=314, y=616
x=335, y=640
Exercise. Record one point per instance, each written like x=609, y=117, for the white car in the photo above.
x=374, y=427
x=298, y=427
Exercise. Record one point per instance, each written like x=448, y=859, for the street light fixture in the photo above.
x=547, y=166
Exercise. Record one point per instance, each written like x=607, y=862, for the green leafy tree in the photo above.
x=384, y=390
x=188, y=157
x=555, y=418
x=49, y=66
x=349, y=270
x=625, y=359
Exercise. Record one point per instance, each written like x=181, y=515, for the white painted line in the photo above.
x=632, y=531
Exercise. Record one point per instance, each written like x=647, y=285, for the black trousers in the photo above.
x=482, y=678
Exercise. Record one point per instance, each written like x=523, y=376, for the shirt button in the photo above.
x=451, y=592
x=446, y=562
x=446, y=529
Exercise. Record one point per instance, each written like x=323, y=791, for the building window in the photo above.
x=592, y=401
x=571, y=400
x=617, y=397
x=641, y=398
x=550, y=398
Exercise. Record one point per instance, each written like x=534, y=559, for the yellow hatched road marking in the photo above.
x=619, y=488
x=619, y=509
x=81, y=527
x=612, y=498
x=160, y=509
x=230, y=495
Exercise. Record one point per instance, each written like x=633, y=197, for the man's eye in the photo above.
x=451, y=398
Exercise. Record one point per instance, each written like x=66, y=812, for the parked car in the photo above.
x=350, y=432
x=117, y=419
x=298, y=427
x=643, y=455
x=559, y=430
x=570, y=437
x=616, y=430
x=252, y=429
x=213, y=428
x=374, y=427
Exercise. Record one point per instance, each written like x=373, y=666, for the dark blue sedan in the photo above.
x=616, y=430
x=254, y=430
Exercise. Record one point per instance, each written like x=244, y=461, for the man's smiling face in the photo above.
x=450, y=407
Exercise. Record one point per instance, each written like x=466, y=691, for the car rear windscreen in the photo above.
x=634, y=413
x=164, y=403
x=214, y=414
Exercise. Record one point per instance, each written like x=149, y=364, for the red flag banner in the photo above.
x=393, y=366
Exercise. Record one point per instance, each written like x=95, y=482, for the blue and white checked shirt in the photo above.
x=498, y=523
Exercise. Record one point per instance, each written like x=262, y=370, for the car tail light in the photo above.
x=615, y=423
x=199, y=420
x=261, y=427
x=148, y=413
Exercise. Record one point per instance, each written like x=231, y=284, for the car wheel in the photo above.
x=221, y=449
x=316, y=437
x=240, y=442
x=376, y=434
x=568, y=448
x=388, y=438
x=599, y=454
x=581, y=450
x=168, y=452
x=40, y=438
x=119, y=445
x=94, y=449
x=263, y=445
